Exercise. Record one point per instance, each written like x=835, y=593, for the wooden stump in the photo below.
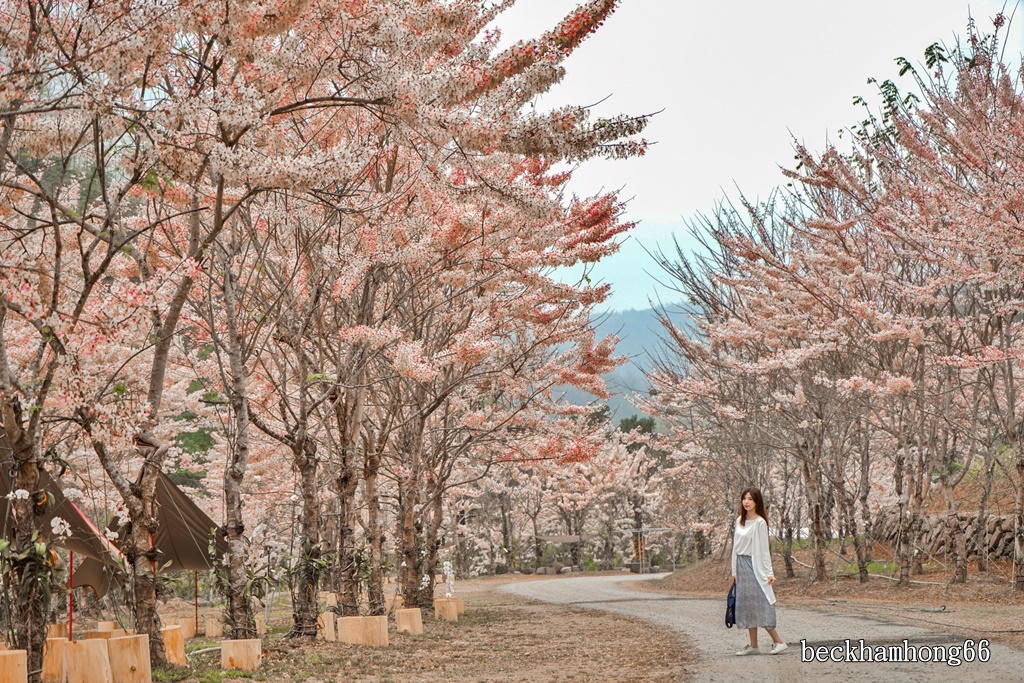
x=54, y=669
x=106, y=625
x=375, y=631
x=330, y=599
x=241, y=654
x=350, y=630
x=394, y=601
x=98, y=635
x=188, y=626
x=445, y=608
x=214, y=628
x=57, y=631
x=13, y=666
x=87, y=661
x=129, y=659
x=460, y=607
x=261, y=624
x=174, y=645
x=409, y=620
x=325, y=627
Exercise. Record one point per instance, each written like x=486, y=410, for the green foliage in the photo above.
x=189, y=479
x=646, y=425
x=171, y=675
x=199, y=441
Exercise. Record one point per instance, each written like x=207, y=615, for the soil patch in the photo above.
x=501, y=639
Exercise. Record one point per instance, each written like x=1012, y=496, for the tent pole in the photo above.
x=71, y=586
x=197, y=600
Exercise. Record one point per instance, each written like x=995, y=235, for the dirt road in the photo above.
x=701, y=622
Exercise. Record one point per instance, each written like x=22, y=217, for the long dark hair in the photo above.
x=758, y=505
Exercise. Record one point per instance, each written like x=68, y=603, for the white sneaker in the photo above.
x=778, y=648
x=747, y=650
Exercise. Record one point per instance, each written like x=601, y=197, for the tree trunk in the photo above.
x=33, y=578
x=305, y=609
x=981, y=528
x=375, y=534
x=143, y=557
x=787, y=551
x=346, y=483
x=239, y=613
x=410, y=554
x=817, y=522
x=1018, y=526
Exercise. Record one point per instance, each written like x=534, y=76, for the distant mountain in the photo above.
x=639, y=335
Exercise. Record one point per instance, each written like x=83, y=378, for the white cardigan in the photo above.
x=752, y=540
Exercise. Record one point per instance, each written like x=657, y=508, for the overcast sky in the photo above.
x=736, y=80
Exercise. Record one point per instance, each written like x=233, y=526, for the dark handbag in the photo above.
x=730, y=607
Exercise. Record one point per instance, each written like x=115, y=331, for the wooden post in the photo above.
x=174, y=645
x=13, y=666
x=350, y=630
x=460, y=606
x=87, y=661
x=241, y=654
x=409, y=620
x=261, y=624
x=57, y=631
x=325, y=625
x=129, y=659
x=445, y=608
x=54, y=669
x=214, y=629
x=375, y=631
x=106, y=625
x=330, y=599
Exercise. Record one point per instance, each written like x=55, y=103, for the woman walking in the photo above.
x=752, y=573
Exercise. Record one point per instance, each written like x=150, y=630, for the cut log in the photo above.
x=129, y=659
x=409, y=620
x=174, y=645
x=330, y=599
x=445, y=608
x=246, y=655
x=13, y=666
x=98, y=635
x=57, y=631
x=375, y=631
x=460, y=607
x=54, y=670
x=214, y=628
x=187, y=624
x=106, y=625
x=394, y=601
x=261, y=624
x=325, y=626
x=87, y=661
x=350, y=630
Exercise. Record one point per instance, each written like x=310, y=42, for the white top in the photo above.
x=752, y=540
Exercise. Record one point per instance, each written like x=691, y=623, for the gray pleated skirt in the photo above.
x=752, y=608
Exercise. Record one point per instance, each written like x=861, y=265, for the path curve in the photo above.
x=700, y=620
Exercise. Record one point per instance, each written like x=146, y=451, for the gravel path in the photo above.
x=701, y=621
